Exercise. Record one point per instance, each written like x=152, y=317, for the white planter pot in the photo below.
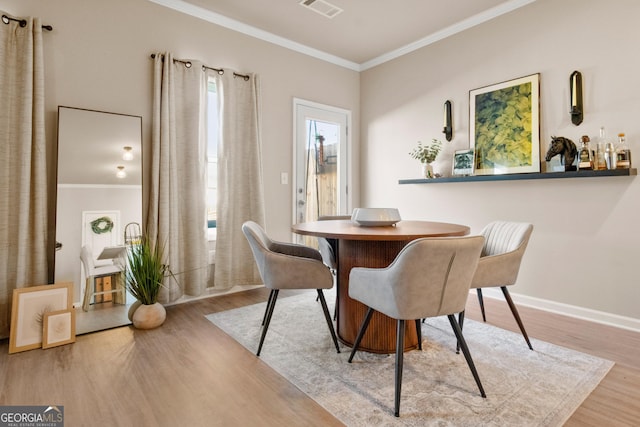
x=133, y=308
x=149, y=316
x=427, y=170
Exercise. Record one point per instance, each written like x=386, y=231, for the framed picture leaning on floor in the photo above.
x=29, y=310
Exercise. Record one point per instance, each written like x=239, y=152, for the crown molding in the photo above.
x=451, y=30
x=232, y=24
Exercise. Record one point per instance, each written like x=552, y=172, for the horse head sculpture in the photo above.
x=567, y=150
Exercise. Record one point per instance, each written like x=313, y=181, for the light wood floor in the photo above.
x=188, y=372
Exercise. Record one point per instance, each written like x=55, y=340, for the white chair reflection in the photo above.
x=110, y=274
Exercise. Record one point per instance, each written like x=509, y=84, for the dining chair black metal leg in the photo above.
x=419, y=332
x=361, y=331
x=465, y=350
x=514, y=311
x=399, y=365
x=460, y=323
x=266, y=310
x=335, y=308
x=481, y=301
x=325, y=310
x=269, y=313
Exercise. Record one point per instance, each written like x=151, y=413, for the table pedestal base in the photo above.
x=381, y=334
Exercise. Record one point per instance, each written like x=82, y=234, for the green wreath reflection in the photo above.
x=102, y=225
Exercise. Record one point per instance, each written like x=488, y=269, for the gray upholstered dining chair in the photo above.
x=327, y=250
x=287, y=266
x=326, y=246
x=504, y=246
x=430, y=277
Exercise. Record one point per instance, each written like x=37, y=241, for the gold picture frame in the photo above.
x=59, y=328
x=504, y=126
x=28, y=310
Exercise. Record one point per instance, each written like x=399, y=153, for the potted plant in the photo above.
x=144, y=273
x=426, y=154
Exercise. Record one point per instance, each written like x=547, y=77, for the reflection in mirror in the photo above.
x=99, y=192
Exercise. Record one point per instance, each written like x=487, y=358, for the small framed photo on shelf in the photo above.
x=463, y=163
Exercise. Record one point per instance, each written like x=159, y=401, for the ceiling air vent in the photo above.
x=322, y=7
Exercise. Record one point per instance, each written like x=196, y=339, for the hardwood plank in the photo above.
x=189, y=372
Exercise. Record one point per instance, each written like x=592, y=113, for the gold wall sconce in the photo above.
x=577, y=106
x=121, y=173
x=447, y=125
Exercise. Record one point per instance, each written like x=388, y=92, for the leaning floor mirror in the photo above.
x=99, y=193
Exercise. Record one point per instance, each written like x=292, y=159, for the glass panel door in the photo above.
x=321, y=164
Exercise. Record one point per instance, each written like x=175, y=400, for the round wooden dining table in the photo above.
x=376, y=247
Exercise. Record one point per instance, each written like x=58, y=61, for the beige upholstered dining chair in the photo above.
x=287, y=266
x=430, y=277
x=504, y=246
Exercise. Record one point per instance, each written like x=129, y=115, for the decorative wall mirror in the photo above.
x=99, y=192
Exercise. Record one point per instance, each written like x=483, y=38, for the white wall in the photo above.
x=98, y=57
x=585, y=248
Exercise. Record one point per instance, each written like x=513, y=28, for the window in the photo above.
x=212, y=153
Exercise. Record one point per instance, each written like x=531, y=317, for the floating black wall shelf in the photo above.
x=521, y=176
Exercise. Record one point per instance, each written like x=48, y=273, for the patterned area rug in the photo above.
x=524, y=388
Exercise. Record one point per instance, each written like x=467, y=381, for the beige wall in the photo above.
x=97, y=57
x=585, y=249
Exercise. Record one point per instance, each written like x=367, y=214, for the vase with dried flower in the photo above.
x=426, y=154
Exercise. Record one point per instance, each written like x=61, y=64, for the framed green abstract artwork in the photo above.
x=504, y=126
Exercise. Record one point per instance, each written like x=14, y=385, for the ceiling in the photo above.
x=364, y=34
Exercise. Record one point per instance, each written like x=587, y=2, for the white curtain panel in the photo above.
x=240, y=182
x=23, y=168
x=177, y=193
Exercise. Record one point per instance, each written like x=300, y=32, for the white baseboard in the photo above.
x=582, y=313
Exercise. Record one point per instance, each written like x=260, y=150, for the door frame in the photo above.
x=298, y=102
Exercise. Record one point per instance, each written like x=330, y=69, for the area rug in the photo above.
x=524, y=388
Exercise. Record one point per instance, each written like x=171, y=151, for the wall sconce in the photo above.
x=121, y=173
x=577, y=109
x=127, y=154
x=447, y=126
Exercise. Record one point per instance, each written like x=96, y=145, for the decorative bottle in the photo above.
x=610, y=156
x=600, y=153
x=585, y=160
x=623, y=153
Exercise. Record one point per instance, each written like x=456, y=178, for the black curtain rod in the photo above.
x=23, y=22
x=220, y=71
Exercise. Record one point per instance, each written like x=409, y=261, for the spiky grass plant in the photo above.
x=145, y=270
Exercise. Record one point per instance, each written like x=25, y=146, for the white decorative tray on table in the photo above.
x=375, y=217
